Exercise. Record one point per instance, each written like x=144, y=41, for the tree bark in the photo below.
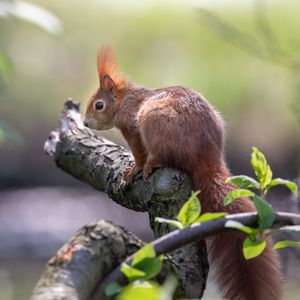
x=100, y=163
x=85, y=260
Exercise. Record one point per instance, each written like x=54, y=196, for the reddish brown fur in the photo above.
x=176, y=126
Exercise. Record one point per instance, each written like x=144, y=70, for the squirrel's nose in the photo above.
x=85, y=123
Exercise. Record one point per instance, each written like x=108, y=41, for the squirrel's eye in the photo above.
x=99, y=105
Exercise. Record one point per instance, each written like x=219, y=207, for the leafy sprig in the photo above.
x=255, y=242
x=144, y=266
x=190, y=213
x=264, y=177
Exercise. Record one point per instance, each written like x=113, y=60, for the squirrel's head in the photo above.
x=100, y=111
x=103, y=104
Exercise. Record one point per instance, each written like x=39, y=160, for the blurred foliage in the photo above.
x=10, y=135
x=157, y=44
x=265, y=45
x=31, y=13
x=36, y=15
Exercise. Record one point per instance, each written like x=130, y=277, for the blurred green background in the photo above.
x=243, y=56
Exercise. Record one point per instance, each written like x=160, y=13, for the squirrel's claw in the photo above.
x=147, y=170
x=129, y=173
x=149, y=166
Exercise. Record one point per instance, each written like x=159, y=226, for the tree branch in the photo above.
x=100, y=163
x=87, y=258
x=179, y=238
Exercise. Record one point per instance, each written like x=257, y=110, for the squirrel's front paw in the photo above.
x=129, y=173
x=150, y=165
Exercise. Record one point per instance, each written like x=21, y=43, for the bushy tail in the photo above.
x=237, y=278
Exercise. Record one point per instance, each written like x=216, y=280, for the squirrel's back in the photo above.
x=181, y=125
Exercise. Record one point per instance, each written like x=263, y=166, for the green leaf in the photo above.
x=293, y=228
x=243, y=182
x=113, y=289
x=284, y=244
x=235, y=194
x=146, y=290
x=292, y=186
x=190, y=210
x=6, y=65
x=210, y=216
x=150, y=266
x=261, y=168
x=131, y=273
x=239, y=226
x=266, y=214
x=146, y=261
x=145, y=252
x=2, y=135
x=253, y=249
x=170, y=222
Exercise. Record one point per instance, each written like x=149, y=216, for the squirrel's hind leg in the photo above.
x=140, y=156
x=156, y=121
x=152, y=162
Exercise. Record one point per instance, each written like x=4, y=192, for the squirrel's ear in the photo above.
x=107, y=84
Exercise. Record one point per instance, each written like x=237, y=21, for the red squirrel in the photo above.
x=177, y=127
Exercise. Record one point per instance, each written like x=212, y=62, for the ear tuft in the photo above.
x=109, y=75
